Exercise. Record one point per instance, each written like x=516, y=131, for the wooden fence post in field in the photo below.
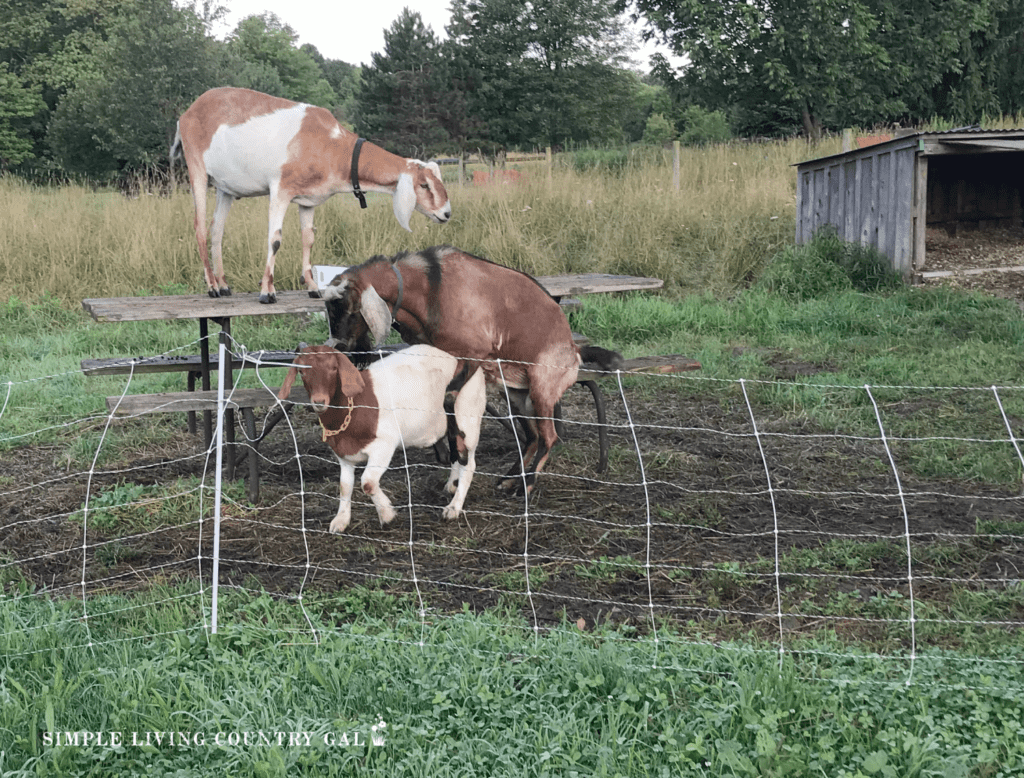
x=847, y=140
x=675, y=165
x=462, y=169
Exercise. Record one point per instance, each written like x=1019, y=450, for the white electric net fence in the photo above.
x=751, y=514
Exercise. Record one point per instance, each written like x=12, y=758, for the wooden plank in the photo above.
x=903, y=210
x=974, y=271
x=172, y=364
x=973, y=145
x=115, y=309
x=920, y=218
x=669, y=363
x=180, y=402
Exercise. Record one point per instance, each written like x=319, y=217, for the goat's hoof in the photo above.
x=213, y=292
x=450, y=513
x=225, y=291
x=337, y=527
x=268, y=299
x=515, y=485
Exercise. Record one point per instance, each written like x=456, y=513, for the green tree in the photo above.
x=157, y=60
x=702, y=127
x=545, y=72
x=405, y=95
x=658, y=130
x=775, y=64
x=48, y=47
x=811, y=57
x=343, y=78
x=18, y=104
x=275, y=65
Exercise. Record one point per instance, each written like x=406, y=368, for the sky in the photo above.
x=349, y=30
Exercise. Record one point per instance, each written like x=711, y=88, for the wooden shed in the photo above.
x=886, y=195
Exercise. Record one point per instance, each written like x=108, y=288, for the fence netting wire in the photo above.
x=755, y=515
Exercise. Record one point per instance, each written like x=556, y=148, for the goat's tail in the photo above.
x=176, y=150
x=602, y=358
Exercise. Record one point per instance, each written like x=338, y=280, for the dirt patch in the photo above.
x=700, y=511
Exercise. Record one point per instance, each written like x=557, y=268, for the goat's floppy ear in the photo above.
x=352, y=382
x=404, y=200
x=376, y=314
x=286, y=387
x=435, y=168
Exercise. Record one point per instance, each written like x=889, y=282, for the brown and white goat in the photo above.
x=248, y=144
x=476, y=310
x=397, y=401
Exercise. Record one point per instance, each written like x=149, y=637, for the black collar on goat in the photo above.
x=476, y=310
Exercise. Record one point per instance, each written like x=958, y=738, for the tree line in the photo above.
x=93, y=88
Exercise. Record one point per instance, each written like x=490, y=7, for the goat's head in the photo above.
x=357, y=317
x=420, y=188
x=323, y=371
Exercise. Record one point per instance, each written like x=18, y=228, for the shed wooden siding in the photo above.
x=870, y=196
x=884, y=195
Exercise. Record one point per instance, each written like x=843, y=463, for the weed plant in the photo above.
x=734, y=209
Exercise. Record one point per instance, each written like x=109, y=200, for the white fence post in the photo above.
x=221, y=370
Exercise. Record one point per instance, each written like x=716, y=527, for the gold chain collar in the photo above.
x=344, y=425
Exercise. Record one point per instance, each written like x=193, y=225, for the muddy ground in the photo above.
x=699, y=511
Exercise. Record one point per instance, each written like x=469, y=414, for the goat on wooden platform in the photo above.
x=476, y=310
x=249, y=144
x=398, y=401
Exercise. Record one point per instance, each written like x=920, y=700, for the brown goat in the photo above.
x=398, y=401
x=476, y=310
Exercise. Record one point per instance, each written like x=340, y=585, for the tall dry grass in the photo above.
x=734, y=209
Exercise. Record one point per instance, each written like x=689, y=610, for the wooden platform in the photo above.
x=201, y=306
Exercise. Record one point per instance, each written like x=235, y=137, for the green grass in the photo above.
x=735, y=207
x=469, y=696
x=481, y=695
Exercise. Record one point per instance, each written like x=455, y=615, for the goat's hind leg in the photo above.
x=520, y=478
x=219, y=287
x=464, y=421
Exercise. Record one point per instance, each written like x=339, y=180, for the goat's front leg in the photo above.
x=377, y=464
x=278, y=207
x=348, y=480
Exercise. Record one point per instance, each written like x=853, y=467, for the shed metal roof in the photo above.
x=966, y=140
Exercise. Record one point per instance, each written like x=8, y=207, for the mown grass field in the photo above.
x=480, y=692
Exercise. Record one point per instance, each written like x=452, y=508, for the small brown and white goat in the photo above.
x=248, y=144
x=478, y=310
x=397, y=401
